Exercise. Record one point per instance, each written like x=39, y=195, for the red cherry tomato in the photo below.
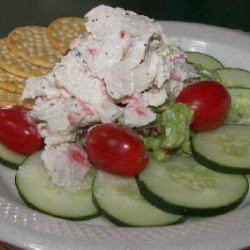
x=210, y=101
x=116, y=149
x=18, y=132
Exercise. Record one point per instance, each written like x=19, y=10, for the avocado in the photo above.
x=172, y=123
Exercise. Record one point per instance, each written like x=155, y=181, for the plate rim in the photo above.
x=25, y=237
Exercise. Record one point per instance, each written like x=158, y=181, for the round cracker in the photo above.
x=64, y=30
x=6, y=76
x=17, y=66
x=12, y=86
x=32, y=44
x=11, y=99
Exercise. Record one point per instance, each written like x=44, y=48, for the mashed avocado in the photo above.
x=170, y=131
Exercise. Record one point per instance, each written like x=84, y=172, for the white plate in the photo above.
x=26, y=228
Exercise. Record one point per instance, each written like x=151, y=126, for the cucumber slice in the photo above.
x=225, y=149
x=120, y=201
x=36, y=189
x=9, y=158
x=233, y=77
x=240, y=103
x=183, y=186
x=205, y=61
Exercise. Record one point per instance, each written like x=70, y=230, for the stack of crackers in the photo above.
x=32, y=51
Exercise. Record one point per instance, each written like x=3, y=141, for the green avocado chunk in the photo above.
x=172, y=126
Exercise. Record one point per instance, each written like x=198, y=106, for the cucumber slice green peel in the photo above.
x=10, y=159
x=119, y=200
x=234, y=77
x=9, y=164
x=203, y=60
x=182, y=186
x=38, y=192
x=225, y=149
x=204, y=64
x=111, y=218
x=219, y=167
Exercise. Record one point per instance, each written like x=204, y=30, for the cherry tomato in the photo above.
x=116, y=149
x=210, y=101
x=18, y=131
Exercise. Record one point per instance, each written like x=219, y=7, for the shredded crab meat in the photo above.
x=121, y=55
x=136, y=111
x=66, y=163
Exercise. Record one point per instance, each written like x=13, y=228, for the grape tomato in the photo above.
x=116, y=149
x=211, y=102
x=18, y=132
